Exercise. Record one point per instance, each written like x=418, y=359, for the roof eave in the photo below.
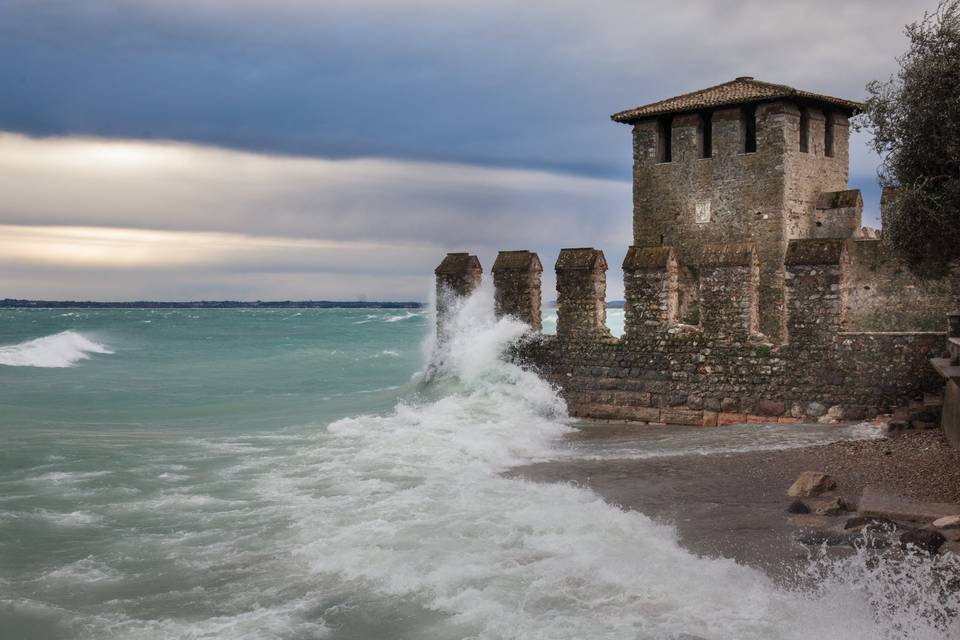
x=630, y=116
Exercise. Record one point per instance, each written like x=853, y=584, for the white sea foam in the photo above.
x=402, y=316
x=82, y=572
x=64, y=349
x=70, y=519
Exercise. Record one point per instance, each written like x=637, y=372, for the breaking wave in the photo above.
x=60, y=350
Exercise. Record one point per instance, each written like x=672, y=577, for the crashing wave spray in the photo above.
x=435, y=523
x=64, y=349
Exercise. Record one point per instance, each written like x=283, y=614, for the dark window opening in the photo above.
x=749, y=115
x=706, y=135
x=828, y=136
x=664, y=139
x=819, y=224
x=804, y=131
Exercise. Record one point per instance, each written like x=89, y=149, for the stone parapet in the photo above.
x=582, y=294
x=815, y=272
x=837, y=214
x=650, y=278
x=516, y=281
x=456, y=277
x=729, y=281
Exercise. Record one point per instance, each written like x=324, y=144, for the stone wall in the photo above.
x=884, y=295
x=691, y=378
x=721, y=371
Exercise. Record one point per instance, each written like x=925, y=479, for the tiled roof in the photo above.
x=739, y=91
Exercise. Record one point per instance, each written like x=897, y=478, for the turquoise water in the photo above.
x=298, y=474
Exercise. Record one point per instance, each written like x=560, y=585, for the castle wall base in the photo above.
x=687, y=378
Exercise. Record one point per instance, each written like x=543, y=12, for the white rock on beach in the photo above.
x=947, y=522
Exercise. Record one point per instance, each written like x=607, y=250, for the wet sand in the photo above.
x=734, y=504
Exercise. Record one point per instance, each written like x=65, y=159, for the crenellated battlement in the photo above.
x=722, y=369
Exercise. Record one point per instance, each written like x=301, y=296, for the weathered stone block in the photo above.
x=728, y=405
x=681, y=416
x=642, y=414
x=731, y=418
x=771, y=407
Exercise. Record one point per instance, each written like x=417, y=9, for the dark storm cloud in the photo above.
x=507, y=83
x=419, y=126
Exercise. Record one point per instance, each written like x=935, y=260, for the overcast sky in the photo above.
x=327, y=149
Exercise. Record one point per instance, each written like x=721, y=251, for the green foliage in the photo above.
x=915, y=121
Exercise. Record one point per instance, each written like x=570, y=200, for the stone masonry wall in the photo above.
x=689, y=378
x=680, y=374
x=666, y=372
x=765, y=197
x=884, y=295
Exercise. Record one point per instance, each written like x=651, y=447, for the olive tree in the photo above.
x=914, y=118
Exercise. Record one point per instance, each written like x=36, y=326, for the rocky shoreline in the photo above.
x=735, y=505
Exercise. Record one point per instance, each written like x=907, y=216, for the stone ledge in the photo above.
x=945, y=369
x=892, y=333
x=874, y=502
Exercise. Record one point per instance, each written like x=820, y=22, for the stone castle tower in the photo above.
x=741, y=162
x=752, y=294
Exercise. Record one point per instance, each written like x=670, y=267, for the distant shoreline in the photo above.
x=10, y=303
